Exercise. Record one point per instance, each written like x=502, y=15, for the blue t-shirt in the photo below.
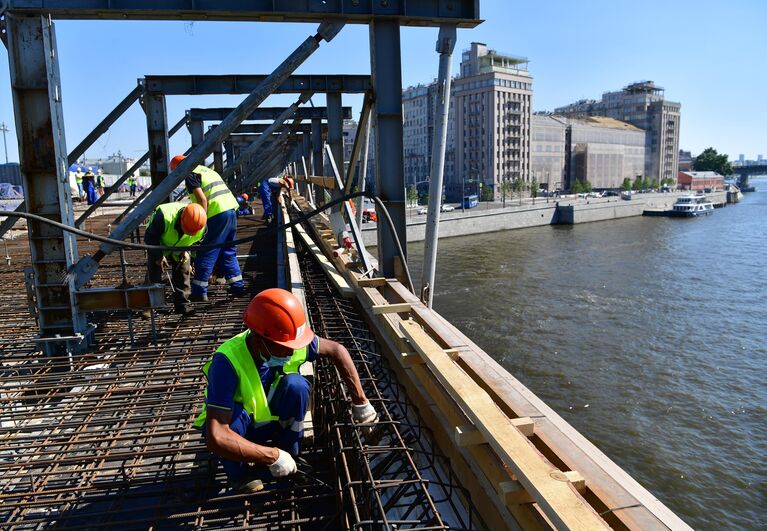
x=222, y=378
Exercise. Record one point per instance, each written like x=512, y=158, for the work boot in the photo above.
x=234, y=292
x=199, y=297
x=246, y=486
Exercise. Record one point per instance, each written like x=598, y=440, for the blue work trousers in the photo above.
x=221, y=228
x=265, y=191
x=289, y=402
x=90, y=191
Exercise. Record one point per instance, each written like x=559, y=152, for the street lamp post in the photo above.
x=4, y=129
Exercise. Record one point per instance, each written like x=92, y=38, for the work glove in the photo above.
x=163, y=263
x=283, y=466
x=364, y=414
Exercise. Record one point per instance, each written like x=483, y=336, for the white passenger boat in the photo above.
x=692, y=205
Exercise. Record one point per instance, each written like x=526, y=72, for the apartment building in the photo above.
x=488, y=124
x=643, y=105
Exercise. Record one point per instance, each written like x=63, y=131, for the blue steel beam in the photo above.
x=463, y=13
x=193, y=85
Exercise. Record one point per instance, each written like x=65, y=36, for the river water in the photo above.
x=646, y=334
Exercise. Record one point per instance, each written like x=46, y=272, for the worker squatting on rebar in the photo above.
x=269, y=190
x=174, y=225
x=255, y=401
x=206, y=188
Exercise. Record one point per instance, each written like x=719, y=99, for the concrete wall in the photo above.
x=567, y=212
x=460, y=224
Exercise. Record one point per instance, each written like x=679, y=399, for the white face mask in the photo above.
x=274, y=361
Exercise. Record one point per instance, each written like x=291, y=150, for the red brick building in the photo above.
x=700, y=180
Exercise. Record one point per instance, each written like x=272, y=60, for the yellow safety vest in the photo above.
x=250, y=391
x=170, y=236
x=220, y=199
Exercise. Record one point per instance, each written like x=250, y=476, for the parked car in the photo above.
x=423, y=210
x=447, y=208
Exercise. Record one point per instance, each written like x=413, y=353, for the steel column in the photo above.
x=218, y=159
x=386, y=69
x=318, y=165
x=157, y=133
x=88, y=265
x=196, y=131
x=336, y=132
x=445, y=46
x=36, y=89
x=359, y=138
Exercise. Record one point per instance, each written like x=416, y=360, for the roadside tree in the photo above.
x=638, y=183
x=626, y=185
x=412, y=195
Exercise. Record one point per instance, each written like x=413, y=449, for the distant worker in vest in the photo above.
x=205, y=187
x=174, y=225
x=89, y=186
x=79, y=182
x=100, y=182
x=244, y=208
x=132, y=185
x=269, y=190
x=255, y=401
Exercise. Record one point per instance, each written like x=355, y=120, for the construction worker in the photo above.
x=132, y=185
x=100, y=182
x=269, y=190
x=206, y=188
x=244, y=209
x=89, y=186
x=79, y=182
x=174, y=225
x=255, y=400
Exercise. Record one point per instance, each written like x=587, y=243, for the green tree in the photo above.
x=412, y=195
x=626, y=186
x=652, y=184
x=711, y=160
x=638, y=183
x=516, y=187
x=487, y=193
x=581, y=187
x=505, y=189
x=534, y=188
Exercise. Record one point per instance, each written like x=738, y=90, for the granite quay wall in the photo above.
x=563, y=212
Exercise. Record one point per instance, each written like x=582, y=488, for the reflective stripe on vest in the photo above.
x=218, y=195
x=170, y=236
x=250, y=391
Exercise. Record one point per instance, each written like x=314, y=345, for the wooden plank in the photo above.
x=558, y=500
x=335, y=277
x=402, y=307
x=371, y=282
x=469, y=435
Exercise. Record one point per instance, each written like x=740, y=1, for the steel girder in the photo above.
x=265, y=113
x=463, y=13
x=193, y=85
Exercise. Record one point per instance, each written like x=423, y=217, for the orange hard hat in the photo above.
x=193, y=218
x=277, y=315
x=245, y=196
x=175, y=161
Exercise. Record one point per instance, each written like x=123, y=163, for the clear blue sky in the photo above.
x=711, y=59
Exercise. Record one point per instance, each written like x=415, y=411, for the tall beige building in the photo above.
x=492, y=106
x=488, y=138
